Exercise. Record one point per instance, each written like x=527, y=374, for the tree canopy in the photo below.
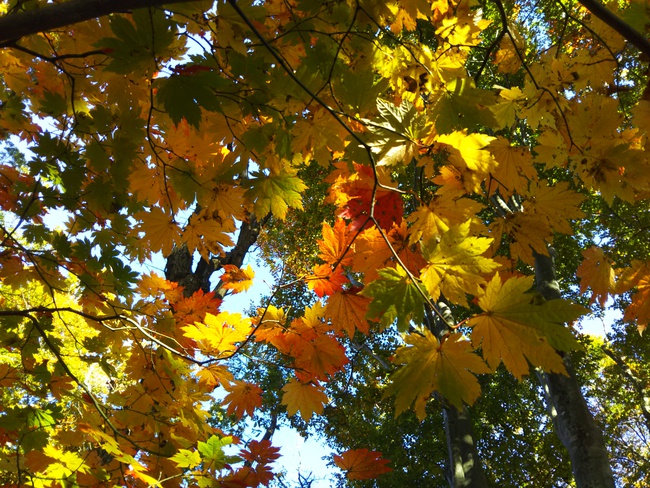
x=441, y=188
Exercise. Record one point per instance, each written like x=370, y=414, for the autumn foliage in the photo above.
x=454, y=150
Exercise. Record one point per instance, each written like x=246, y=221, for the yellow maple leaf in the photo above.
x=515, y=167
x=556, y=204
x=220, y=333
x=516, y=330
x=428, y=365
x=505, y=111
x=455, y=264
x=468, y=150
x=228, y=200
x=524, y=233
x=308, y=398
x=596, y=272
x=447, y=208
x=160, y=230
x=208, y=234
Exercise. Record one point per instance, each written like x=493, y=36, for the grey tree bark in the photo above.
x=573, y=422
x=465, y=469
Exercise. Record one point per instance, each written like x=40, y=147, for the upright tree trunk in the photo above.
x=573, y=422
x=465, y=469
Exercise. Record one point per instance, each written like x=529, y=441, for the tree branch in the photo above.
x=627, y=31
x=54, y=16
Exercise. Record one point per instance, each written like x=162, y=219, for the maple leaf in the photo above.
x=160, y=229
x=428, y=365
x=447, y=208
x=308, y=398
x=227, y=200
x=370, y=253
x=515, y=168
x=353, y=192
x=362, y=464
x=637, y=276
x=321, y=357
x=242, y=397
x=395, y=297
x=347, y=311
x=455, y=263
x=219, y=334
x=208, y=234
x=326, y=281
x=515, y=330
x=185, y=458
x=468, y=151
x=524, y=233
x=214, y=375
x=557, y=204
x=596, y=272
x=194, y=308
x=276, y=193
x=237, y=279
x=335, y=243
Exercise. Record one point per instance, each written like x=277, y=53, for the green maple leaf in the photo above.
x=429, y=365
x=519, y=331
x=212, y=451
x=184, y=95
x=185, y=458
x=463, y=106
x=276, y=194
x=136, y=44
x=395, y=296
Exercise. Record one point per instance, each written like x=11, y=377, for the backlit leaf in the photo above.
x=516, y=330
x=362, y=464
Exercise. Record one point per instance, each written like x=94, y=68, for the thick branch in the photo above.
x=54, y=16
x=627, y=31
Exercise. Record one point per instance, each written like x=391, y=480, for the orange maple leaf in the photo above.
x=308, y=398
x=362, y=464
x=637, y=276
x=214, y=375
x=320, y=358
x=261, y=452
x=243, y=397
x=347, y=312
x=237, y=279
x=324, y=281
x=335, y=243
x=193, y=309
x=596, y=272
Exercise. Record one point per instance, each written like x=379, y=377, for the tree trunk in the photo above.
x=465, y=469
x=573, y=422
